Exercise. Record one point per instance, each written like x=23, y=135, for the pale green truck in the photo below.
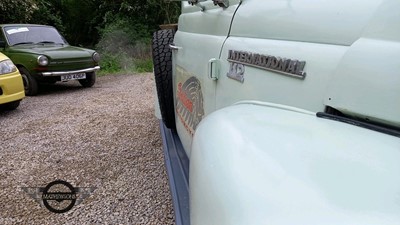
x=282, y=112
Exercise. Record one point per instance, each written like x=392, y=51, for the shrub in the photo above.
x=109, y=63
x=125, y=46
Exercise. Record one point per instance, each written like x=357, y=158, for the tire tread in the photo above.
x=162, y=61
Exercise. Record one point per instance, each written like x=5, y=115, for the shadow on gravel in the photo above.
x=48, y=89
x=4, y=112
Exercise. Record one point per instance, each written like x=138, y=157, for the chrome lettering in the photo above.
x=285, y=66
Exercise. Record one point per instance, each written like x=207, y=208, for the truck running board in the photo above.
x=177, y=164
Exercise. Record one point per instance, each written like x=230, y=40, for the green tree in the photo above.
x=168, y=11
x=49, y=13
x=80, y=19
x=17, y=11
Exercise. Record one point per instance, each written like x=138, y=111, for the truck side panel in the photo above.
x=194, y=92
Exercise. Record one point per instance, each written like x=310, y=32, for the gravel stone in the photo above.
x=105, y=137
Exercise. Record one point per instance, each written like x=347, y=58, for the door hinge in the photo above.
x=222, y=3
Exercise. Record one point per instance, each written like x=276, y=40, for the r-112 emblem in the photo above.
x=236, y=72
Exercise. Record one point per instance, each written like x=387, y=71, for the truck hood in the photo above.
x=258, y=163
x=53, y=51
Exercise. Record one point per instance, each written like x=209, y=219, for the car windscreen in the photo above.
x=32, y=35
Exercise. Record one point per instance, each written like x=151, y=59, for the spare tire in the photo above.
x=162, y=61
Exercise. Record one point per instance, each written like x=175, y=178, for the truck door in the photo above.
x=202, y=30
x=286, y=52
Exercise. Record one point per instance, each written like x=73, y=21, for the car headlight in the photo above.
x=7, y=66
x=96, y=57
x=43, y=60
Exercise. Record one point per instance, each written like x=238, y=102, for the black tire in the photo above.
x=89, y=81
x=30, y=83
x=10, y=105
x=162, y=61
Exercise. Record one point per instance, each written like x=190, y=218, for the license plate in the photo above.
x=75, y=76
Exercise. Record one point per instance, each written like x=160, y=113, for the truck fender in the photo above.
x=261, y=163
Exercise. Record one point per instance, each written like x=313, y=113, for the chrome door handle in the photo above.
x=174, y=47
x=213, y=69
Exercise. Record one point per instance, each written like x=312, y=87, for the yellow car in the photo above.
x=11, y=86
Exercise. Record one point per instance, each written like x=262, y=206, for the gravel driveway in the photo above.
x=105, y=137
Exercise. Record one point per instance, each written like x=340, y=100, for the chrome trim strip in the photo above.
x=60, y=73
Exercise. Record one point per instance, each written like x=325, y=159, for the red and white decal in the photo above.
x=189, y=104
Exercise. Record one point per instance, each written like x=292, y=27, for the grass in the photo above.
x=122, y=64
x=143, y=65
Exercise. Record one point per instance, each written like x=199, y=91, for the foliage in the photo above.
x=82, y=21
x=109, y=63
x=143, y=65
x=120, y=30
x=47, y=13
x=16, y=11
x=169, y=10
x=114, y=65
x=124, y=44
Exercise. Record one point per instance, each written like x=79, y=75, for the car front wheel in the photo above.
x=89, y=81
x=30, y=83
